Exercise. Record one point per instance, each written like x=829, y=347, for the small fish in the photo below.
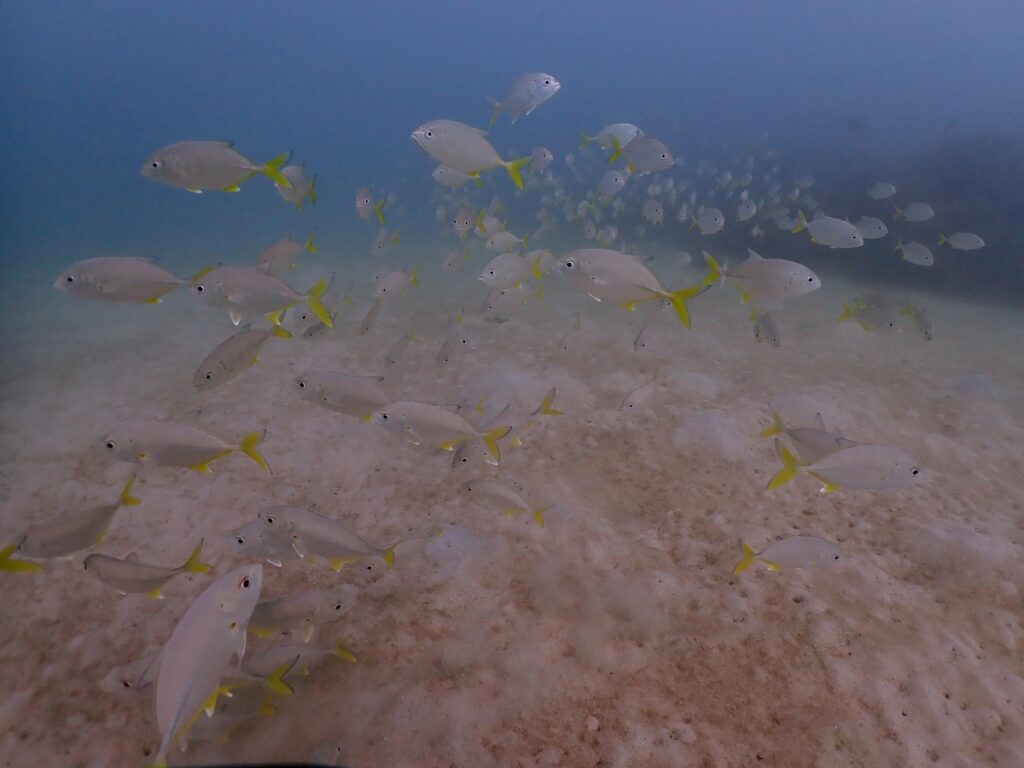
x=207, y=165
x=168, y=444
x=746, y=210
x=315, y=535
x=766, y=329
x=290, y=659
x=764, y=281
x=642, y=342
x=453, y=178
x=457, y=341
x=426, y=423
x=915, y=253
x=829, y=231
x=915, y=212
x=507, y=500
x=396, y=351
x=370, y=317
x=67, y=532
x=922, y=322
x=791, y=552
x=881, y=191
x=234, y=355
x=281, y=257
x=962, y=241
x=871, y=228
x=257, y=540
x=504, y=241
x=462, y=222
x=466, y=148
x=394, y=283
x=873, y=319
x=250, y=292
x=385, y=239
x=135, y=676
x=207, y=636
x=653, y=211
x=527, y=93
x=540, y=159
x=623, y=133
x=131, y=576
x=302, y=610
x=643, y=154
x=352, y=395
x=507, y=270
x=611, y=183
x=366, y=207
x=862, y=466
x=117, y=279
x=641, y=396
x=301, y=189
x=709, y=222
x=811, y=443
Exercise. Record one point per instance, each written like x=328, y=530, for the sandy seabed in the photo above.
x=616, y=635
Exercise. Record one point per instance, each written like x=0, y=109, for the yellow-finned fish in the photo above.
x=169, y=444
x=131, y=576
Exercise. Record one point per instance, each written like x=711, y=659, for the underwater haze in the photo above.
x=512, y=384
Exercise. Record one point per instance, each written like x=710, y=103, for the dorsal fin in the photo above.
x=131, y=557
x=819, y=422
x=753, y=255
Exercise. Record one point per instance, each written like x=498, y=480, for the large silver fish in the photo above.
x=203, y=165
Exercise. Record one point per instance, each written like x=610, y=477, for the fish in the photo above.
x=12, y=564
x=385, y=239
x=644, y=154
x=623, y=133
x=811, y=443
x=209, y=165
x=458, y=340
x=766, y=329
x=862, y=466
x=367, y=207
x=962, y=241
x=248, y=292
x=394, y=283
x=922, y=322
x=915, y=253
x=915, y=212
x=826, y=230
x=135, y=676
x=606, y=274
x=873, y=319
x=527, y=93
x=791, y=552
x=611, y=183
x=764, y=281
x=463, y=222
x=643, y=338
x=257, y=540
x=396, y=351
x=119, y=279
x=344, y=393
x=709, y=222
x=305, y=610
x=281, y=257
x=436, y=426
x=315, y=535
x=653, y=211
x=881, y=191
x=205, y=639
x=234, y=355
x=301, y=189
x=570, y=340
x=871, y=228
x=507, y=500
x=67, y=532
x=290, y=659
x=540, y=159
x=453, y=178
x=746, y=210
x=131, y=576
x=507, y=270
x=465, y=148
x=169, y=444
x=503, y=241
x=370, y=317
x=641, y=396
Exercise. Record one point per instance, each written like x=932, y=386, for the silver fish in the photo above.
x=791, y=552
x=117, y=279
x=203, y=165
x=168, y=444
x=234, y=355
x=465, y=148
x=131, y=576
x=527, y=93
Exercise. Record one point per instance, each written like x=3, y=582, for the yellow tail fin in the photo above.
x=943, y=239
x=280, y=332
x=545, y=405
x=311, y=192
x=248, y=447
x=388, y=555
x=775, y=428
x=789, y=466
x=898, y=214
x=584, y=140
x=513, y=167
x=745, y=561
x=310, y=245
x=126, y=499
x=678, y=301
x=616, y=151
x=378, y=209
x=538, y=515
x=272, y=168
x=414, y=278
x=801, y=223
x=274, y=682
x=9, y=564
x=194, y=564
x=714, y=269
x=847, y=313
x=535, y=268
x=344, y=653
x=491, y=438
x=313, y=301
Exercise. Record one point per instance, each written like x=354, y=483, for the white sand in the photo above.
x=616, y=635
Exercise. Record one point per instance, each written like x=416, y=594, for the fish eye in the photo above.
x=915, y=471
x=200, y=288
x=664, y=156
x=547, y=82
x=240, y=540
x=270, y=521
x=835, y=556
x=338, y=606
x=110, y=444
x=244, y=582
x=384, y=416
x=302, y=384
x=70, y=278
x=208, y=376
x=810, y=278
x=155, y=164
x=429, y=134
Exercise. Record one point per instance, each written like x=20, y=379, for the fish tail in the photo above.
x=280, y=332
x=313, y=301
x=801, y=223
x=535, y=268
x=714, y=274
x=538, y=515
x=378, y=209
x=309, y=245
x=693, y=222
x=545, y=407
x=274, y=682
x=847, y=313
x=272, y=168
x=491, y=438
x=194, y=564
x=126, y=499
x=344, y=653
x=388, y=555
x=943, y=239
x=584, y=140
x=311, y=192
x=480, y=221
x=11, y=565
x=495, y=111
x=616, y=151
x=745, y=561
x=899, y=245
x=513, y=167
x=414, y=278
x=775, y=428
x=679, y=298
x=898, y=214
x=248, y=447
x=789, y=466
